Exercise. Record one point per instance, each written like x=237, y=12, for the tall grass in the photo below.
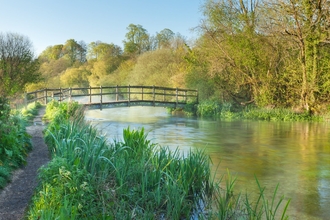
x=89, y=178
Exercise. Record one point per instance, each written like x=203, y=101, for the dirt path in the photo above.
x=15, y=197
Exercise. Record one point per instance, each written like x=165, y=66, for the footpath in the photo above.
x=16, y=196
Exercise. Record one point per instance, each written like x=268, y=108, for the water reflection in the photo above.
x=296, y=155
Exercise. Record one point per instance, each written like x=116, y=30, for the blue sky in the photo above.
x=51, y=22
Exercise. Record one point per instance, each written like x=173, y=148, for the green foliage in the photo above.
x=31, y=110
x=58, y=111
x=208, y=109
x=137, y=40
x=278, y=114
x=75, y=77
x=14, y=142
x=155, y=68
x=18, y=65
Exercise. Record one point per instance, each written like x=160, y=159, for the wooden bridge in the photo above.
x=117, y=96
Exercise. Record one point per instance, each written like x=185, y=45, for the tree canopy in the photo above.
x=18, y=65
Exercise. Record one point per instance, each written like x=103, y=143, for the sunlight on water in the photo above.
x=296, y=155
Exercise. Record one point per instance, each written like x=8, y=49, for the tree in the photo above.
x=164, y=38
x=238, y=56
x=18, y=65
x=137, y=40
x=51, y=53
x=305, y=25
x=74, y=51
x=99, y=50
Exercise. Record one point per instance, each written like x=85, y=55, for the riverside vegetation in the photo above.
x=90, y=178
x=14, y=140
x=227, y=111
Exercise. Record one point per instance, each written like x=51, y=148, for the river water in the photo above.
x=294, y=154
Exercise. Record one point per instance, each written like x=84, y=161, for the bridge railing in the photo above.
x=112, y=94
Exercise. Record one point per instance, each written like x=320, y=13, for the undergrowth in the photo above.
x=14, y=140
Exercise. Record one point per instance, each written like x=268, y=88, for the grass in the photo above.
x=89, y=178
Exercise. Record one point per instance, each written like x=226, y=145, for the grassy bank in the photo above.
x=226, y=111
x=14, y=141
x=89, y=178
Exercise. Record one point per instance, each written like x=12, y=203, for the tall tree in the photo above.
x=164, y=38
x=306, y=27
x=237, y=54
x=18, y=65
x=73, y=51
x=137, y=40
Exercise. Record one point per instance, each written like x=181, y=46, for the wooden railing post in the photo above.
x=164, y=96
x=25, y=100
x=35, y=97
x=45, y=95
x=129, y=95
x=101, y=98
x=70, y=94
x=153, y=94
x=90, y=94
x=176, y=105
x=60, y=94
x=142, y=93
x=185, y=96
x=117, y=93
x=197, y=96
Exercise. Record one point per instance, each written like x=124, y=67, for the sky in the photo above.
x=51, y=22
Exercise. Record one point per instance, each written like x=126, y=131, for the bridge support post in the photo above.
x=101, y=98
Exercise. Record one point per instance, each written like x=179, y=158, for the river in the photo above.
x=294, y=154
